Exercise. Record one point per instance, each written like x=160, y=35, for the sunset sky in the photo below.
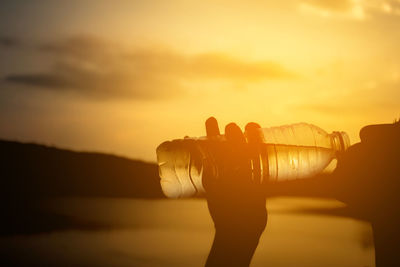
x=122, y=76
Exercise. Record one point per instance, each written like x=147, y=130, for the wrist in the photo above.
x=232, y=248
x=249, y=228
x=237, y=239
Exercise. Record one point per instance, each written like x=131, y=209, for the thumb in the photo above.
x=255, y=138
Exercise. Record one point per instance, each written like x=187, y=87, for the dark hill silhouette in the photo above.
x=32, y=175
x=29, y=170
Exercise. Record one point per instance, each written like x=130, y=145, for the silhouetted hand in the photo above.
x=367, y=179
x=235, y=201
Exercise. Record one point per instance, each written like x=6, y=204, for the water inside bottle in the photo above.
x=287, y=162
x=287, y=152
x=181, y=169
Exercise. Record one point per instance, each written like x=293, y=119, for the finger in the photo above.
x=237, y=155
x=234, y=134
x=212, y=129
x=253, y=133
x=254, y=137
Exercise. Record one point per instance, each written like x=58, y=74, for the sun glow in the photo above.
x=141, y=73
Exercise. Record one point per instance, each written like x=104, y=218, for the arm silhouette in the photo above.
x=235, y=202
x=367, y=179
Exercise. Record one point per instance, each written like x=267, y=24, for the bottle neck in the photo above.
x=340, y=141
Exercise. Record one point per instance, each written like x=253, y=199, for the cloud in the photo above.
x=338, y=5
x=389, y=7
x=45, y=80
x=350, y=9
x=377, y=99
x=334, y=8
x=6, y=41
x=94, y=67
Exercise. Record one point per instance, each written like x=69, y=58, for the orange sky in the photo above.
x=123, y=76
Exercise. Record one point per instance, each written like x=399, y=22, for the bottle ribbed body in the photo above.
x=288, y=152
x=299, y=150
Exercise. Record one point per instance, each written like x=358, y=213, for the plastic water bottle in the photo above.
x=288, y=152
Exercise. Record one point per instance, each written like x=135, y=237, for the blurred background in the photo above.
x=117, y=78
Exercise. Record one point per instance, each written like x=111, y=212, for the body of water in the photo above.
x=131, y=232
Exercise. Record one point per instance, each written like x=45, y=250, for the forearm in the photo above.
x=387, y=241
x=232, y=249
